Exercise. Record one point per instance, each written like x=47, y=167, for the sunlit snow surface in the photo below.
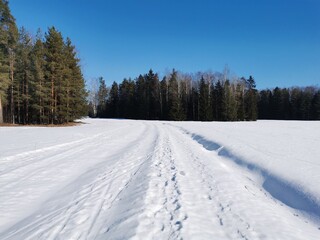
x=122, y=179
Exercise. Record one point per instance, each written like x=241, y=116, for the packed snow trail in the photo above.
x=137, y=180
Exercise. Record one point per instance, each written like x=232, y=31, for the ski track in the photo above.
x=160, y=184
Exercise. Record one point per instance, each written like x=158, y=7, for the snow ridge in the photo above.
x=288, y=193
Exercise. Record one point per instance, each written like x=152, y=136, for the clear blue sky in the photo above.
x=276, y=41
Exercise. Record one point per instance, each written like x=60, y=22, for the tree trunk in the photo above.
x=1, y=112
x=12, y=84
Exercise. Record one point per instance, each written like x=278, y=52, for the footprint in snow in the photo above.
x=182, y=173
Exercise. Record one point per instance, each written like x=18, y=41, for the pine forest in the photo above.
x=40, y=78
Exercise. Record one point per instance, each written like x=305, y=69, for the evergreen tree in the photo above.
x=264, y=104
x=54, y=70
x=218, y=106
x=205, y=110
x=240, y=91
x=23, y=77
x=276, y=102
x=195, y=103
x=102, y=98
x=113, y=103
x=229, y=112
x=251, y=100
x=164, y=99
x=316, y=106
x=8, y=41
x=174, y=101
x=40, y=90
x=126, y=99
x=141, y=98
x=153, y=95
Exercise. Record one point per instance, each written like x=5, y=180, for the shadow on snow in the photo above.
x=281, y=190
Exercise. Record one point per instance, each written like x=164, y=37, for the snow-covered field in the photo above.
x=122, y=179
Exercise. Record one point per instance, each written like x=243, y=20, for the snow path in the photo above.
x=138, y=180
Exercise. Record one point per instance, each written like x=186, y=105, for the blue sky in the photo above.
x=276, y=41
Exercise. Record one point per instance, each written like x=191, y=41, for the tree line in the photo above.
x=200, y=97
x=40, y=78
x=294, y=103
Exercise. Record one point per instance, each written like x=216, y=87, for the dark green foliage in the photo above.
x=23, y=80
x=8, y=43
x=113, y=102
x=102, y=98
x=141, y=98
x=153, y=95
x=240, y=93
x=251, y=100
x=218, y=93
x=230, y=109
x=127, y=99
x=179, y=97
x=40, y=91
x=205, y=109
x=289, y=104
x=164, y=108
x=174, y=100
x=40, y=81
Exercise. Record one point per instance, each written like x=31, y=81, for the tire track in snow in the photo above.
x=82, y=214
x=24, y=159
x=236, y=219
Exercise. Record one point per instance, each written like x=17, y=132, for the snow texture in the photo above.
x=123, y=179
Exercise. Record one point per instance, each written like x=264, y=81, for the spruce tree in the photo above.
x=229, y=112
x=102, y=98
x=251, y=100
x=174, y=101
x=153, y=95
x=240, y=88
x=141, y=97
x=218, y=106
x=164, y=99
x=316, y=106
x=113, y=103
x=205, y=110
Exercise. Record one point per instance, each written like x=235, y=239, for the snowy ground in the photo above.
x=121, y=179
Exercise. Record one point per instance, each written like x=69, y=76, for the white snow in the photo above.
x=125, y=179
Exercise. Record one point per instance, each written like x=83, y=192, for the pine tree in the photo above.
x=54, y=55
x=102, y=98
x=264, y=104
x=205, y=110
x=153, y=95
x=229, y=112
x=218, y=106
x=251, y=100
x=141, y=97
x=40, y=90
x=113, y=103
x=164, y=99
x=126, y=98
x=240, y=88
x=174, y=101
x=8, y=41
x=316, y=106
x=73, y=94
x=23, y=77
